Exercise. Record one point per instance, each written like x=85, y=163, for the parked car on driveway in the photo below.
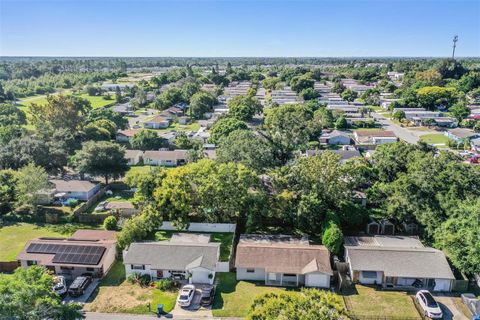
x=208, y=293
x=60, y=286
x=78, y=286
x=428, y=304
x=186, y=295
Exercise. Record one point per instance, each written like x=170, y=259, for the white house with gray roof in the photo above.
x=184, y=256
x=397, y=262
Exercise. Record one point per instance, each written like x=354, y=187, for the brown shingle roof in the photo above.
x=285, y=258
x=375, y=133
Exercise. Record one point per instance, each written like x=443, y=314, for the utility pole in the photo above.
x=455, y=39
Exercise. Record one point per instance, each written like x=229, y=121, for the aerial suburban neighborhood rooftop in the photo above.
x=237, y=159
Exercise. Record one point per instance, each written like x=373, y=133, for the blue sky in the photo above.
x=238, y=28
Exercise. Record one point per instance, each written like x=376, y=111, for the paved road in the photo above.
x=139, y=119
x=118, y=316
x=400, y=132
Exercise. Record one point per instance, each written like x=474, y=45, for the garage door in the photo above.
x=317, y=280
x=200, y=277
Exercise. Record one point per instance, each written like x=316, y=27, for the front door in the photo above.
x=159, y=274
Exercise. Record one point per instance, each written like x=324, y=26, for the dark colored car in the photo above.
x=208, y=294
x=78, y=286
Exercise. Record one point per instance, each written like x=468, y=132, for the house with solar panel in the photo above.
x=90, y=252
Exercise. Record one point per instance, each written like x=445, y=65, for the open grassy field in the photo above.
x=115, y=294
x=233, y=298
x=14, y=237
x=97, y=101
x=366, y=301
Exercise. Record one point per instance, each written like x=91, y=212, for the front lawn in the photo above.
x=233, y=298
x=369, y=302
x=115, y=295
x=435, y=139
x=225, y=239
x=14, y=237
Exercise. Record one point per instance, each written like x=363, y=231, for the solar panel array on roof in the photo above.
x=71, y=254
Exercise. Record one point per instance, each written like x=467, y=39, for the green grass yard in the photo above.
x=233, y=298
x=435, y=138
x=14, y=237
x=369, y=302
x=225, y=239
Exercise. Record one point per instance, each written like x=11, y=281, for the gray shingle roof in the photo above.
x=166, y=255
x=397, y=257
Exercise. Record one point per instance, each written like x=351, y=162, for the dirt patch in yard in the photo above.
x=120, y=298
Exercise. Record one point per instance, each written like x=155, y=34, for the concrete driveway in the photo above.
x=83, y=298
x=450, y=310
x=194, y=311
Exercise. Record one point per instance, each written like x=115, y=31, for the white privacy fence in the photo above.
x=201, y=227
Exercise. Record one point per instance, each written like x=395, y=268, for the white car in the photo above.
x=101, y=206
x=60, y=286
x=428, y=304
x=186, y=295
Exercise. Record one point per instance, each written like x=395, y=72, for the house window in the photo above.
x=289, y=275
x=369, y=274
x=66, y=268
x=31, y=263
x=250, y=270
x=138, y=267
x=90, y=269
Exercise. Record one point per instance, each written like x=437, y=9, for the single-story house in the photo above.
x=335, y=137
x=397, y=262
x=345, y=154
x=125, y=135
x=461, y=134
x=158, y=122
x=133, y=156
x=184, y=256
x=475, y=144
x=124, y=208
x=125, y=108
x=374, y=137
x=86, y=251
x=282, y=261
x=167, y=158
x=183, y=120
x=172, y=112
x=78, y=189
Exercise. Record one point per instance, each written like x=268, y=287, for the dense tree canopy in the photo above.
x=27, y=294
x=307, y=304
x=103, y=158
x=248, y=148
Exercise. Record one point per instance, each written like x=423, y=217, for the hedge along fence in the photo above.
x=92, y=218
x=8, y=266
